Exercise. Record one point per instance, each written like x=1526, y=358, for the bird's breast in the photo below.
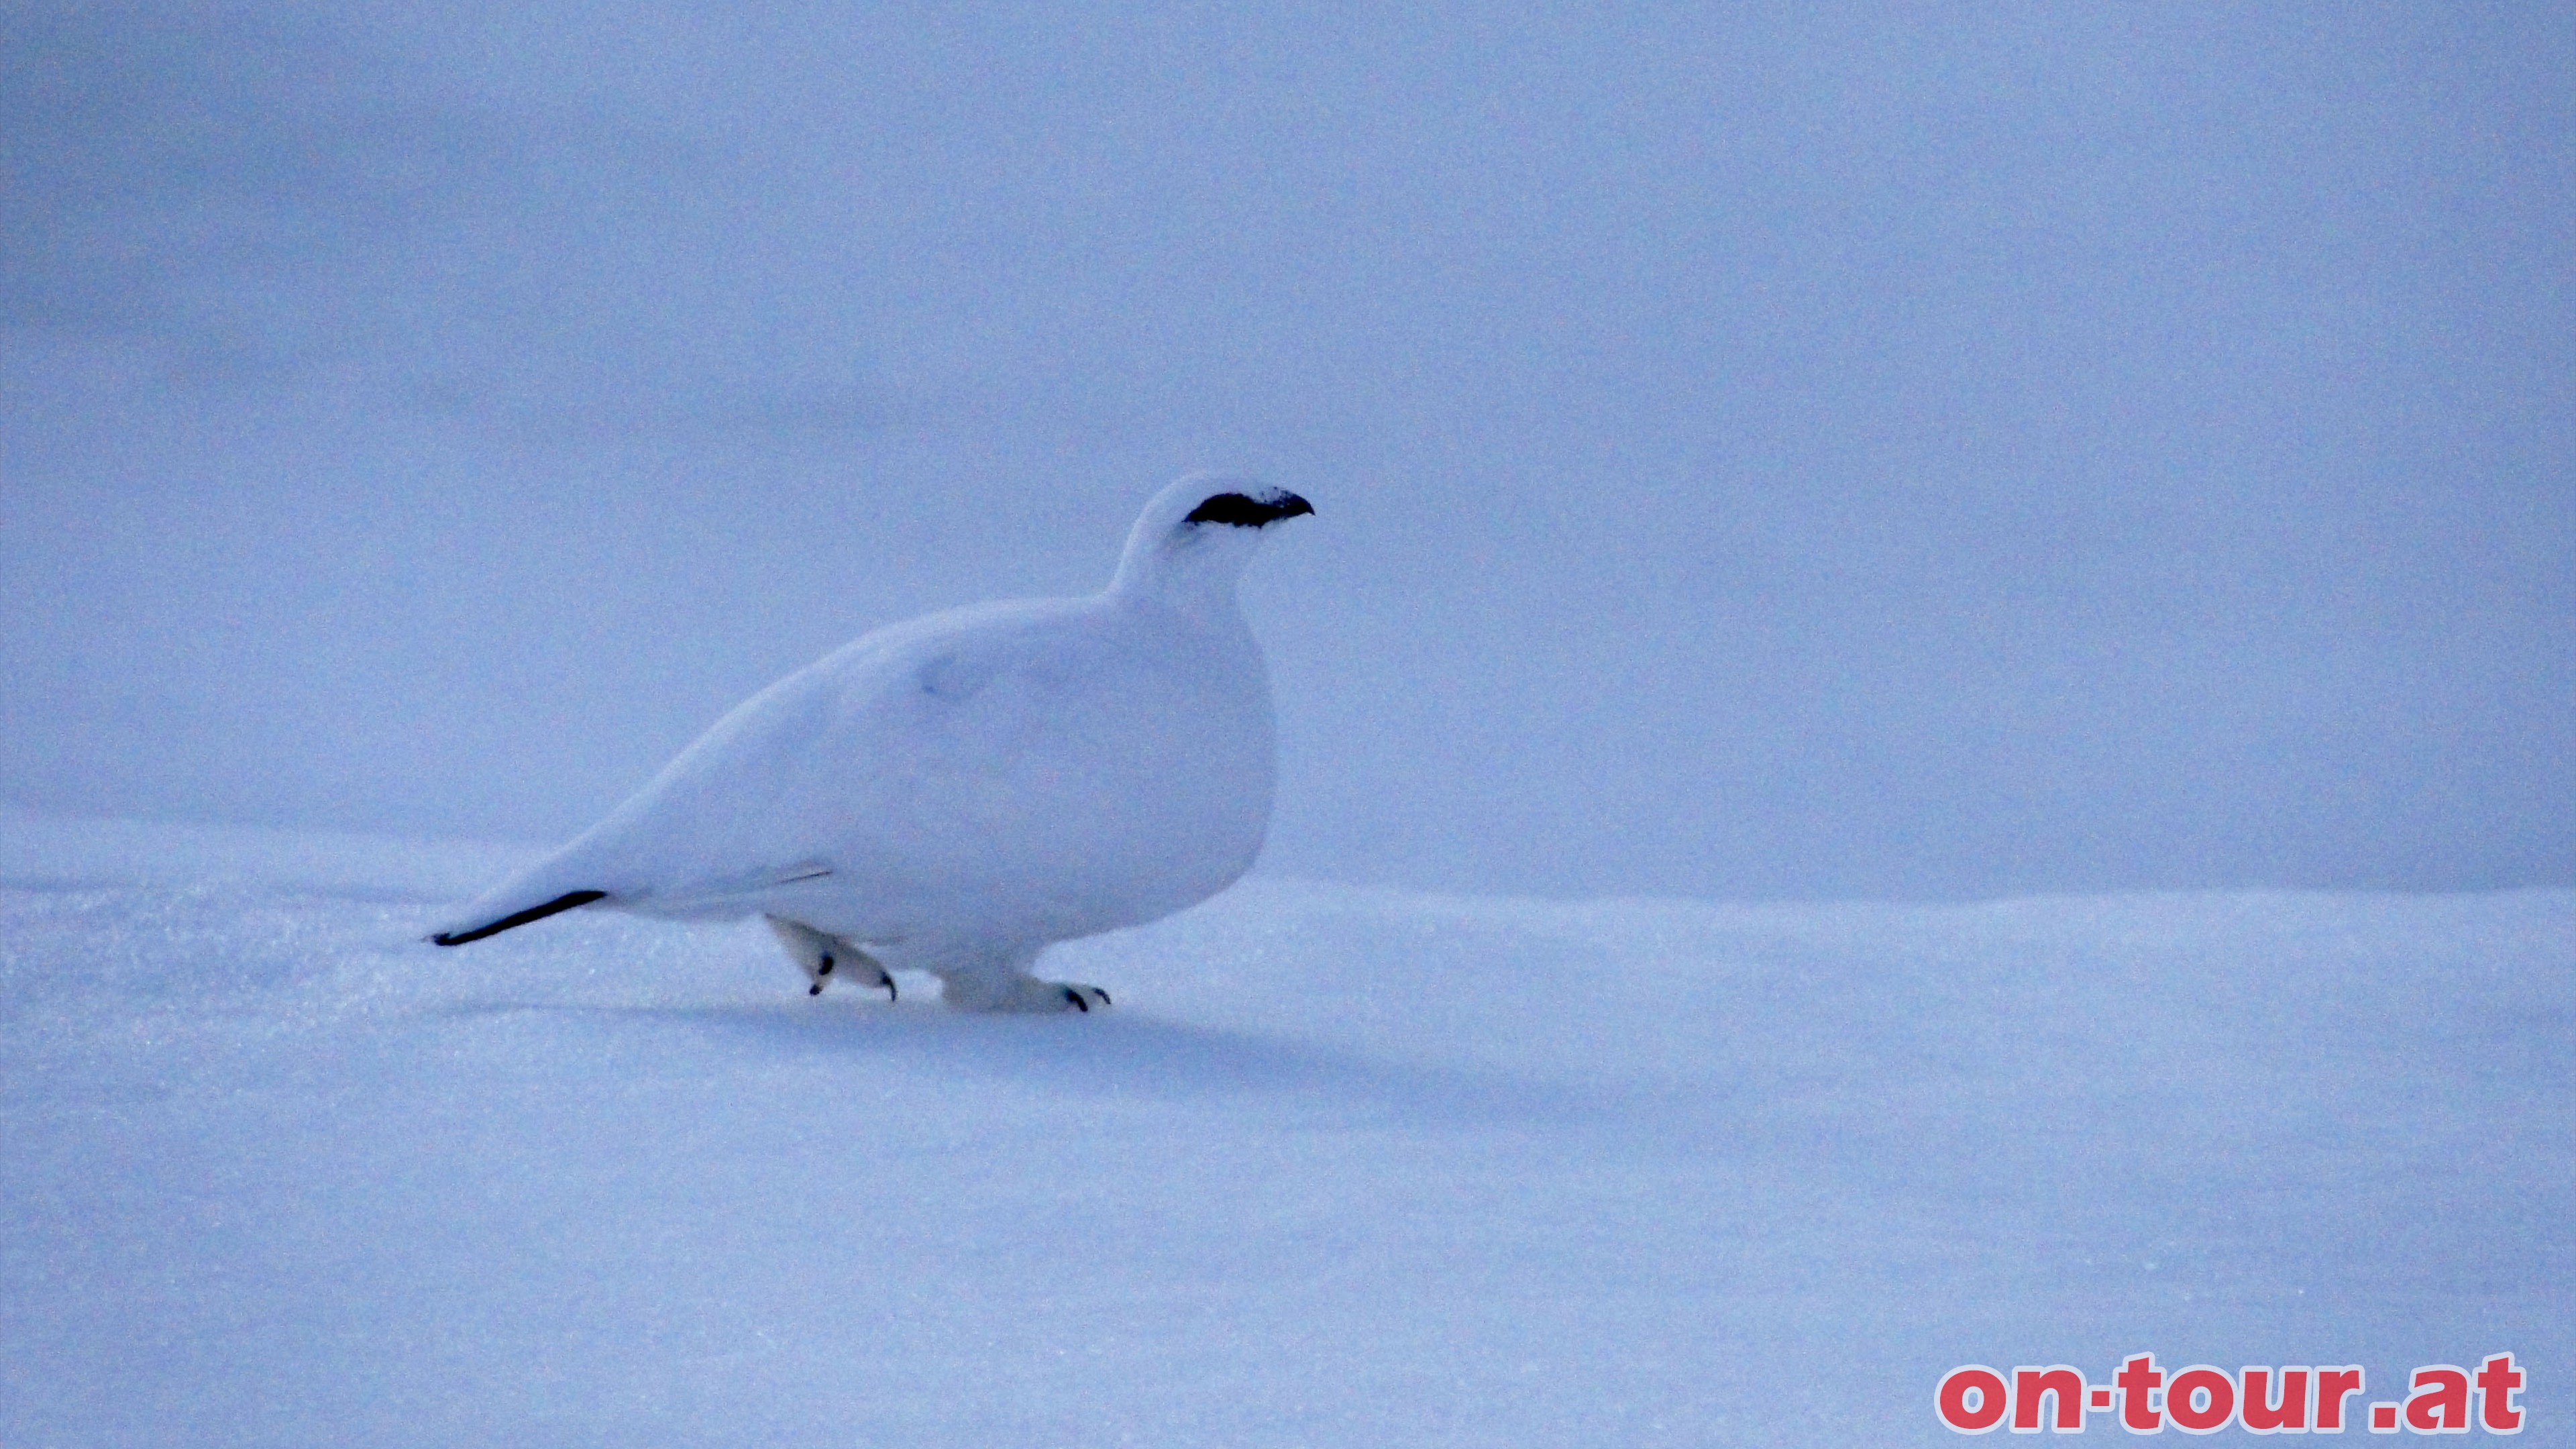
x=1097, y=782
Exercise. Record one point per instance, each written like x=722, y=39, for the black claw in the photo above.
x=1104, y=996
x=826, y=968
x=1076, y=998
x=814, y=990
x=891, y=993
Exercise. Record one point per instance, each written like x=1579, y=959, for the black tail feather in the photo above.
x=533, y=913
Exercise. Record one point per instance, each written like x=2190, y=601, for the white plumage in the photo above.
x=956, y=793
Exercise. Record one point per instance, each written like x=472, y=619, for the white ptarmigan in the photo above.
x=956, y=793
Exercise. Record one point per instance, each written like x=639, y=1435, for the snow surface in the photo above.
x=1343, y=1168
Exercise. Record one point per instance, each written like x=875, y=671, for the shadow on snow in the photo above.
x=1121, y=1054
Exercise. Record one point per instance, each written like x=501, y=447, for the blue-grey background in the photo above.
x=1811, y=450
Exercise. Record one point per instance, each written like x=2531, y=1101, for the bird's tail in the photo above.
x=478, y=926
x=547, y=888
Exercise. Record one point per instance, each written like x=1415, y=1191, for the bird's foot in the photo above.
x=826, y=957
x=1023, y=994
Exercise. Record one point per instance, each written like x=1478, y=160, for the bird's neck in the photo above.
x=1193, y=573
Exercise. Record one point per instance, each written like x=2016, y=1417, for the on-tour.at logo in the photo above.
x=2203, y=1399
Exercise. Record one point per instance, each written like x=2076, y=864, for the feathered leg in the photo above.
x=825, y=956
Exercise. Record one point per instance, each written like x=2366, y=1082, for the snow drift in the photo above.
x=1344, y=1167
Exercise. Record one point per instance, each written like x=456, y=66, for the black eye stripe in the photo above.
x=1243, y=512
x=1231, y=508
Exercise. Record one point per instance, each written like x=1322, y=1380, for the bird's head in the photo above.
x=1193, y=540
